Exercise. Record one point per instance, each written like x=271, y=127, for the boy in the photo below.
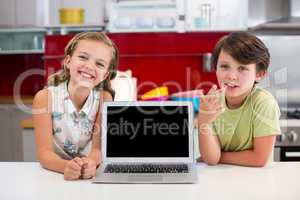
x=241, y=129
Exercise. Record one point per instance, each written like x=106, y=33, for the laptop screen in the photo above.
x=147, y=131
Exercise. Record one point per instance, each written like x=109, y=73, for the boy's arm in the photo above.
x=209, y=145
x=257, y=157
x=210, y=108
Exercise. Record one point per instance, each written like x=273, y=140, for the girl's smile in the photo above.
x=86, y=76
x=89, y=64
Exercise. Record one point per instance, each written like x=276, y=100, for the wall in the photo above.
x=156, y=59
x=283, y=74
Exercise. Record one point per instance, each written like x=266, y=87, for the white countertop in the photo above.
x=280, y=180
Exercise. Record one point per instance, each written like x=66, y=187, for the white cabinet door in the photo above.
x=216, y=15
x=26, y=12
x=16, y=131
x=93, y=10
x=29, y=146
x=11, y=132
x=18, y=12
x=6, y=152
x=7, y=12
x=48, y=11
x=231, y=15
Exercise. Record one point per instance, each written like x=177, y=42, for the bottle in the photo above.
x=206, y=62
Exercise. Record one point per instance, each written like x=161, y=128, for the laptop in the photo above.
x=147, y=142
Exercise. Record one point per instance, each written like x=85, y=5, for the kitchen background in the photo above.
x=162, y=43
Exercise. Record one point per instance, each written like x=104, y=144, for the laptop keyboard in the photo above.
x=146, y=168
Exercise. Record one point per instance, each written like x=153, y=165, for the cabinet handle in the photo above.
x=53, y=57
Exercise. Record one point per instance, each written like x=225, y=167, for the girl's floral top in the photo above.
x=72, y=130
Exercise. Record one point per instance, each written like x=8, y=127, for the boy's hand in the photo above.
x=73, y=169
x=89, y=168
x=210, y=106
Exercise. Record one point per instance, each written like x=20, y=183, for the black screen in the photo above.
x=147, y=131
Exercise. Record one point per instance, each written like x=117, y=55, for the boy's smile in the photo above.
x=230, y=85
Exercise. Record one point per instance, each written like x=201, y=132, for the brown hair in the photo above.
x=64, y=74
x=244, y=48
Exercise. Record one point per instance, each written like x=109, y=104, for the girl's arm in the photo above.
x=41, y=113
x=95, y=153
x=257, y=157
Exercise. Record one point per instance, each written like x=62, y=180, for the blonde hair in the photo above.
x=64, y=74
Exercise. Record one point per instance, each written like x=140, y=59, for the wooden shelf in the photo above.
x=32, y=51
x=27, y=124
x=10, y=99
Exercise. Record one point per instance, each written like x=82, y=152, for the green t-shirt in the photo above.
x=258, y=116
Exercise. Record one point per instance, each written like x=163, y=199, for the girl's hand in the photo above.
x=73, y=169
x=210, y=106
x=89, y=168
x=200, y=159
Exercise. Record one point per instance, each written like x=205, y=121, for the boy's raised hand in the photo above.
x=73, y=169
x=210, y=105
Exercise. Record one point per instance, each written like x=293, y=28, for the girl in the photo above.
x=66, y=115
x=240, y=130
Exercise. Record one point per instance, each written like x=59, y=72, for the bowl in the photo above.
x=191, y=95
x=161, y=98
x=156, y=93
x=71, y=15
x=123, y=23
x=165, y=22
x=144, y=22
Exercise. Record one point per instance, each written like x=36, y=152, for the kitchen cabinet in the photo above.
x=29, y=146
x=11, y=132
x=6, y=153
x=48, y=12
x=7, y=12
x=20, y=71
x=137, y=16
x=17, y=116
x=18, y=13
x=30, y=13
x=177, y=15
x=26, y=12
x=216, y=15
x=22, y=40
x=93, y=10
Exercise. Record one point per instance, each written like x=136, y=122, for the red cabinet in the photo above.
x=17, y=74
x=171, y=59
